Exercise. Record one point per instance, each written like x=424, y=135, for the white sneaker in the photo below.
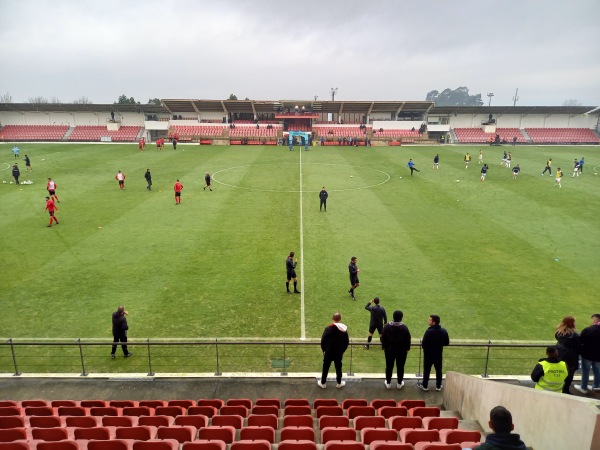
x=340, y=385
x=439, y=388
x=387, y=385
x=400, y=386
x=596, y=389
x=580, y=389
x=321, y=385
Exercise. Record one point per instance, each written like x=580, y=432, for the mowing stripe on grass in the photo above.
x=302, y=318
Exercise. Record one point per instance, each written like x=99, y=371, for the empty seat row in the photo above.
x=33, y=132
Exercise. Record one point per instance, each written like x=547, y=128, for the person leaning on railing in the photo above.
x=550, y=373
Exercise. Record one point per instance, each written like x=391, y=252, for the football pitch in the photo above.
x=502, y=259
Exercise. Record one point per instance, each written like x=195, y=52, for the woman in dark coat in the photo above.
x=569, y=348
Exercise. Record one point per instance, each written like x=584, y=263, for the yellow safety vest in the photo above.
x=554, y=376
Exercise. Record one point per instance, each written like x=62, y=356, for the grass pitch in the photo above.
x=504, y=259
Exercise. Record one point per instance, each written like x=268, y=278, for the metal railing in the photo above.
x=276, y=357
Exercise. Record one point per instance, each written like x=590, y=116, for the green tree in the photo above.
x=232, y=97
x=123, y=100
x=457, y=97
x=154, y=101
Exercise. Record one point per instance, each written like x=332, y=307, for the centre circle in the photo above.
x=335, y=177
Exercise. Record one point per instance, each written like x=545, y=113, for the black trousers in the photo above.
x=394, y=357
x=119, y=338
x=323, y=204
x=436, y=362
x=337, y=362
x=549, y=169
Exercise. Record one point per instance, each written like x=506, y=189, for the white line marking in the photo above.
x=388, y=178
x=5, y=168
x=302, y=318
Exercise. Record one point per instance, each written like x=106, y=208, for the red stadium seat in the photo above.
x=325, y=402
x=344, y=445
x=181, y=433
x=329, y=411
x=196, y=421
x=168, y=444
x=239, y=402
x=172, y=411
x=62, y=445
x=8, y=403
x=458, y=436
x=114, y=444
x=81, y=422
x=203, y=444
x=355, y=411
x=13, y=434
x=391, y=411
x=414, y=435
x=234, y=410
x=225, y=434
x=234, y=421
x=104, y=411
x=258, y=433
x=380, y=403
x=139, y=433
x=437, y=446
x=28, y=403
x=298, y=421
x=123, y=403
x=71, y=411
x=268, y=402
x=408, y=404
x=156, y=421
x=44, y=422
x=337, y=434
x=294, y=410
x=57, y=403
x=92, y=403
x=203, y=410
x=401, y=422
x=296, y=402
x=267, y=420
x=11, y=421
x=259, y=444
x=49, y=434
x=136, y=411
x=424, y=411
x=361, y=422
x=96, y=433
x=265, y=409
x=119, y=421
x=347, y=403
x=368, y=435
x=390, y=445
x=297, y=434
x=297, y=445
x=10, y=411
x=334, y=421
x=183, y=403
x=214, y=402
x=17, y=445
x=152, y=403
x=440, y=423
x=39, y=411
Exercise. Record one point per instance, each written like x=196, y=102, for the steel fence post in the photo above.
x=218, y=372
x=151, y=373
x=83, y=372
x=350, y=373
x=487, y=360
x=419, y=374
x=283, y=371
x=12, y=350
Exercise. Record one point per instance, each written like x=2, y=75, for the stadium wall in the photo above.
x=545, y=420
x=526, y=121
x=204, y=115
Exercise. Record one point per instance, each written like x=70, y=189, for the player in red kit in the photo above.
x=177, y=188
x=141, y=144
x=144, y=142
x=51, y=207
x=120, y=177
x=51, y=188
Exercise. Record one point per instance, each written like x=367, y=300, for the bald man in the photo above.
x=334, y=343
x=120, y=327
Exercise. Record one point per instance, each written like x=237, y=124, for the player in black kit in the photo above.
x=290, y=268
x=354, y=282
x=207, y=181
x=323, y=197
x=378, y=319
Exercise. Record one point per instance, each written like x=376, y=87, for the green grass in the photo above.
x=481, y=255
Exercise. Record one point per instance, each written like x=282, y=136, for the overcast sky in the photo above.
x=271, y=50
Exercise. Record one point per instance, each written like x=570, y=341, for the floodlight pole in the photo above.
x=333, y=92
x=490, y=95
x=516, y=97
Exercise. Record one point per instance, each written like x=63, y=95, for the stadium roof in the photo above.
x=74, y=107
x=495, y=110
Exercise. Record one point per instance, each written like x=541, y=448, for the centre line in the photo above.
x=302, y=318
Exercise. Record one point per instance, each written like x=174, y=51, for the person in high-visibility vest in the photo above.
x=550, y=373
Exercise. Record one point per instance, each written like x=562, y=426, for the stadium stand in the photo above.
x=562, y=136
x=33, y=132
x=477, y=135
x=96, y=133
x=395, y=133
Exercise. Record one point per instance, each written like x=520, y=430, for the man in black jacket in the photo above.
x=334, y=343
x=501, y=438
x=395, y=341
x=354, y=281
x=590, y=355
x=378, y=319
x=119, y=329
x=323, y=198
x=434, y=341
x=290, y=270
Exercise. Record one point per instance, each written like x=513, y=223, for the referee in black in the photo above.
x=378, y=319
x=354, y=282
x=323, y=197
x=290, y=268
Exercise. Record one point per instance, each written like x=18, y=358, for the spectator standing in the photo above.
x=120, y=329
x=433, y=343
x=148, y=177
x=395, y=342
x=334, y=343
x=323, y=199
x=569, y=347
x=590, y=355
x=501, y=438
x=550, y=373
x=16, y=173
x=378, y=319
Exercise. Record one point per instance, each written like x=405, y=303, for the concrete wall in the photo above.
x=545, y=420
x=397, y=124
x=526, y=121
